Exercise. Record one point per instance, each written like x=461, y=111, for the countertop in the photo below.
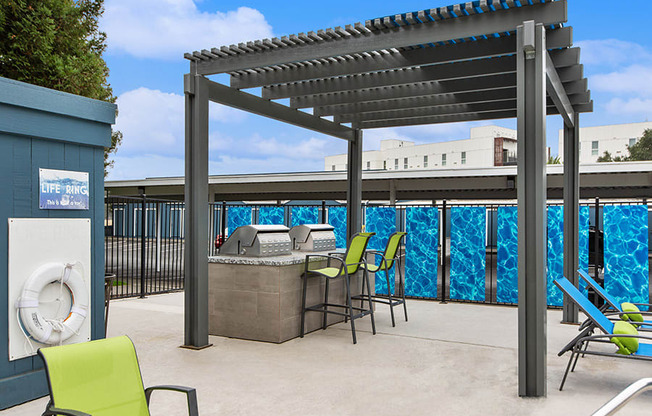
x=297, y=257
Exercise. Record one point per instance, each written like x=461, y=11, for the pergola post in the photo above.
x=354, y=185
x=196, y=213
x=531, y=192
x=571, y=212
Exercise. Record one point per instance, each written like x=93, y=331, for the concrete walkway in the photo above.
x=448, y=359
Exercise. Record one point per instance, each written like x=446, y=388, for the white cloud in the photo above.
x=145, y=166
x=630, y=106
x=153, y=165
x=634, y=79
x=227, y=164
x=311, y=148
x=165, y=29
x=611, y=52
x=152, y=120
x=152, y=123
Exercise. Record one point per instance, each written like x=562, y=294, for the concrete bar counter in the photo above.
x=259, y=298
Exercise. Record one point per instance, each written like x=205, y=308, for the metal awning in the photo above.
x=413, y=68
x=478, y=60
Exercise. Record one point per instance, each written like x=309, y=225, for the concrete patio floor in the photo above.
x=448, y=359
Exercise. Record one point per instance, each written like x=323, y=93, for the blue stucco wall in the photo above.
x=42, y=128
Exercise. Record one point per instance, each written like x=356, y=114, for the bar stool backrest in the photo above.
x=393, y=243
x=354, y=253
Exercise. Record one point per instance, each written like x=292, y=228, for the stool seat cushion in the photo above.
x=327, y=271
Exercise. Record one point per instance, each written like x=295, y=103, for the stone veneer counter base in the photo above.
x=259, y=298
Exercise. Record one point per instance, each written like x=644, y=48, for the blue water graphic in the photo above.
x=626, y=252
x=237, y=217
x=583, y=245
x=337, y=218
x=382, y=221
x=555, y=261
x=271, y=215
x=507, y=257
x=467, y=259
x=421, y=243
x=305, y=215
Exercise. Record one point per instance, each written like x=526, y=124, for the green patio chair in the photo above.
x=349, y=264
x=388, y=258
x=100, y=378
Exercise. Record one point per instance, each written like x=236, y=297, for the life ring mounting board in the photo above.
x=49, y=263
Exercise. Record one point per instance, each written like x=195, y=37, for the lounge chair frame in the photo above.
x=579, y=345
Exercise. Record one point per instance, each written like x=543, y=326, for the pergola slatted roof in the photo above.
x=397, y=71
x=478, y=60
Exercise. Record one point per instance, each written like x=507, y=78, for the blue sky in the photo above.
x=147, y=39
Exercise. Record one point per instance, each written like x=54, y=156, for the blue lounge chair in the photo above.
x=612, y=303
x=619, y=333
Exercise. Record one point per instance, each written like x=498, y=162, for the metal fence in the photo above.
x=463, y=252
x=144, y=245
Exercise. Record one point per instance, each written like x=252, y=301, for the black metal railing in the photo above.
x=145, y=251
x=144, y=245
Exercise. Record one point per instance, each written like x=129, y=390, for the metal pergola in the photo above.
x=479, y=60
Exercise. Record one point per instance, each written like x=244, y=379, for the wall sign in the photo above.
x=63, y=189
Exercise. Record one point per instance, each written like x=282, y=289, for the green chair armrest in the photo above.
x=329, y=257
x=190, y=392
x=52, y=411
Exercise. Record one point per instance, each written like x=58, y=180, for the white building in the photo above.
x=488, y=146
x=615, y=139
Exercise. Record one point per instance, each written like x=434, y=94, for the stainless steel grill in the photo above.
x=313, y=237
x=258, y=241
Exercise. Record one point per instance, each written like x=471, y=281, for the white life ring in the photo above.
x=48, y=331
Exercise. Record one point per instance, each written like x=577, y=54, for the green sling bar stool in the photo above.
x=352, y=261
x=100, y=378
x=387, y=260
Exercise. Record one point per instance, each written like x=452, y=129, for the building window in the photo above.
x=384, y=165
x=632, y=142
x=395, y=164
x=443, y=159
x=425, y=161
x=464, y=158
x=594, y=148
x=405, y=163
x=368, y=165
x=333, y=167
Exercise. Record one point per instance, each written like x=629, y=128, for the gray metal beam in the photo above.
x=452, y=70
x=455, y=70
x=485, y=83
x=483, y=48
x=556, y=91
x=244, y=101
x=433, y=101
x=408, y=113
x=549, y=13
x=455, y=118
x=196, y=222
x=416, y=102
x=531, y=196
x=437, y=110
x=571, y=212
x=354, y=186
